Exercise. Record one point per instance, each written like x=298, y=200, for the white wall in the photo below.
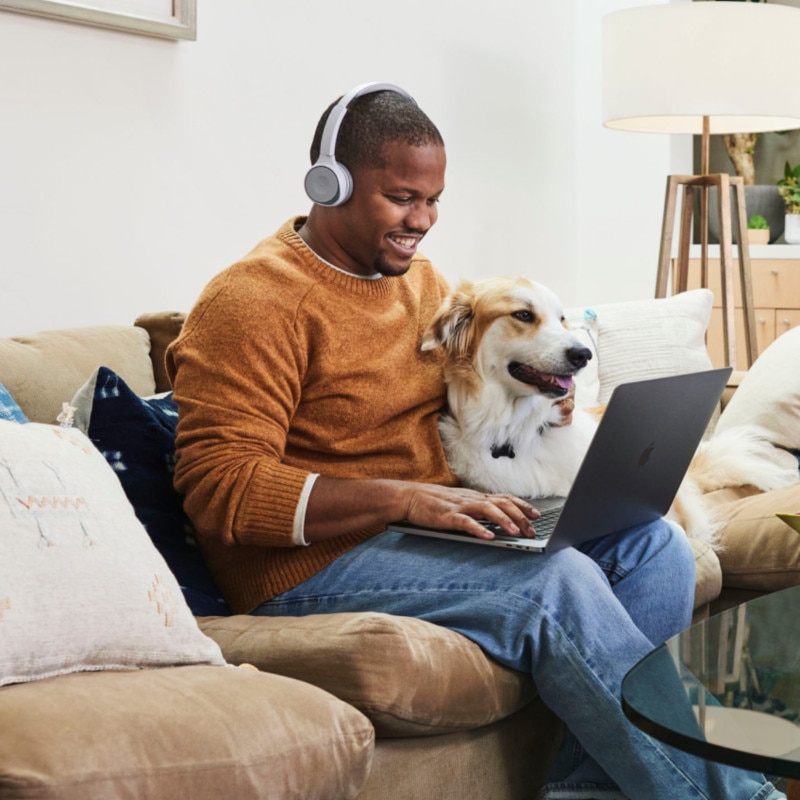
x=132, y=169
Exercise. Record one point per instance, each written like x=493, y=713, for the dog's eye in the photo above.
x=524, y=315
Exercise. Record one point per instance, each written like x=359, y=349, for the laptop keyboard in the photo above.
x=543, y=526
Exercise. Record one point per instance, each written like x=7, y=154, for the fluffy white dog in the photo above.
x=510, y=358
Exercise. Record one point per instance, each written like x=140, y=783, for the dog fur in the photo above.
x=509, y=358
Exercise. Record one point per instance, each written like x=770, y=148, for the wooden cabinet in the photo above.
x=776, y=300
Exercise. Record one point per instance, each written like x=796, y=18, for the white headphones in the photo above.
x=329, y=183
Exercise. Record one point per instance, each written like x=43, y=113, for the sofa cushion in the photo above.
x=641, y=339
x=9, y=410
x=44, y=370
x=188, y=732
x=768, y=396
x=758, y=550
x=137, y=437
x=81, y=585
x=411, y=678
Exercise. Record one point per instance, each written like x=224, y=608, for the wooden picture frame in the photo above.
x=167, y=19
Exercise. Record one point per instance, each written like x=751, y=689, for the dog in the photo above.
x=510, y=365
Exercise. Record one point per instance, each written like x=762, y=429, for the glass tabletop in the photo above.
x=728, y=688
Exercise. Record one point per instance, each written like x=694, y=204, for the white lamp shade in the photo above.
x=665, y=67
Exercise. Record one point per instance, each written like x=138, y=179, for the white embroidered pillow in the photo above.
x=81, y=585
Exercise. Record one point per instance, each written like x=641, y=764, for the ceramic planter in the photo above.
x=791, y=232
x=758, y=236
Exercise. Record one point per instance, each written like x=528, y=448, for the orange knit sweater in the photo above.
x=284, y=367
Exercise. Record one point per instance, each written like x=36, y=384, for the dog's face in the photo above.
x=511, y=331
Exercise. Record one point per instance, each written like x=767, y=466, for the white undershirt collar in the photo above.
x=374, y=277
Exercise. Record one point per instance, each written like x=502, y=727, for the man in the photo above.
x=308, y=421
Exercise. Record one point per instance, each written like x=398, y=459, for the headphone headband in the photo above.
x=328, y=182
x=334, y=121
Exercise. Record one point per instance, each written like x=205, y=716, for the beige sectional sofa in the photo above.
x=347, y=705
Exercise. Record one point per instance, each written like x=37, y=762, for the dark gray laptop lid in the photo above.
x=639, y=454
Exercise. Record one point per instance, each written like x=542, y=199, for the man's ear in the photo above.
x=450, y=325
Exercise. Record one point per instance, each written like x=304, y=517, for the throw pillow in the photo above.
x=642, y=339
x=81, y=585
x=758, y=550
x=9, y=410
x=769, y=395
x=137, y=437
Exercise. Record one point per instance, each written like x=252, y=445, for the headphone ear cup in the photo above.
x=345, y=184
x=328, y=183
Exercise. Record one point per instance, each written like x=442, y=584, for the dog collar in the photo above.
x=503, y=450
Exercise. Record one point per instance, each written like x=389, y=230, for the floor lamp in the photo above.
x=703, y=68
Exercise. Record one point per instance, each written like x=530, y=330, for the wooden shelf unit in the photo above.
x=776, y=300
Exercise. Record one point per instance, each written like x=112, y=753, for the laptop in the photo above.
x=631, y=472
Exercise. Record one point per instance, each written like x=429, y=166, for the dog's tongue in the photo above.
x=546, y=382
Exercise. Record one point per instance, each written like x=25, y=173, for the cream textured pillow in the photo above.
x=642, y=339
x=81, y=585
x=769, y=395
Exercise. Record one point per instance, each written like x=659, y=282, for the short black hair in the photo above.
x=371, y=121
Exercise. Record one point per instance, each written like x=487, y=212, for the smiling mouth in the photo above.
x=555, y=385
x=408, y=243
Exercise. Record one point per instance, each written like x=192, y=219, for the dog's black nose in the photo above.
x=578, y=356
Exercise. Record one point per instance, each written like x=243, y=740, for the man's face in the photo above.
x=391, y=209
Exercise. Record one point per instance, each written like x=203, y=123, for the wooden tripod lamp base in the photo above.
x=723, y=184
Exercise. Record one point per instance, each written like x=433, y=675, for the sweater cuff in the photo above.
x=266, y=517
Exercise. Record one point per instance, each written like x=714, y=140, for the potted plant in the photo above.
x=789, y=187
x=757, y=230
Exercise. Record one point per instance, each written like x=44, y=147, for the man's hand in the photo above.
x=459, y=509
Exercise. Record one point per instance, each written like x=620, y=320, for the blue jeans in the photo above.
x=577, y=621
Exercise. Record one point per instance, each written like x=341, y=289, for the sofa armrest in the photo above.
x=163, y=327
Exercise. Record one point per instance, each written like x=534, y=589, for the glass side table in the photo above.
x=728, y=688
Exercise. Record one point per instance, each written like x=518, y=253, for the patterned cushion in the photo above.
x=81, y=585
x=137, y=437
x=9, y=409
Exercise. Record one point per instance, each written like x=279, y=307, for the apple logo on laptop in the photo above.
x=645, y=456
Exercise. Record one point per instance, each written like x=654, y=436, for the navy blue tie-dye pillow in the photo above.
x=8, y=407
x=137, y=437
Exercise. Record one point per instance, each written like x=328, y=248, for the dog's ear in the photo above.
x=450, y=324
